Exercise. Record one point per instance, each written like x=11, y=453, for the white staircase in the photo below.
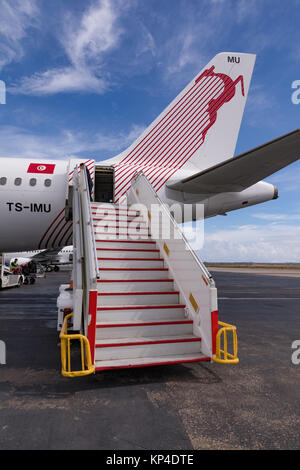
x=139, y=298
x=140, y=320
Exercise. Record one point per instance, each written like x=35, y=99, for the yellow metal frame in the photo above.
x=166, y=248
x=222, y=355
x=194, y=303
x=66, y=339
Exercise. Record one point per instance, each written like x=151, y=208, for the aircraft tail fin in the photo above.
x=197, y=130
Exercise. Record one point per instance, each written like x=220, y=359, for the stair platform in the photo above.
x=149, y=361
x=116, y=348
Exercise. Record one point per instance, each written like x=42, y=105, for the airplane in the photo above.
x=51, y=259
x=186, y=154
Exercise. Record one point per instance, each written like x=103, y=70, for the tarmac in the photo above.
x=264, y=271
x=252, y=405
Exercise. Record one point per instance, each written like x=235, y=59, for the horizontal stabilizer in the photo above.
x=238, y=173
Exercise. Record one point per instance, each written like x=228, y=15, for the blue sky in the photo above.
x=86, y=77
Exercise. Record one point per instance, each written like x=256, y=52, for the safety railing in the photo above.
x=85, y=274
x=92, y=272
x=90, y=260
x=85, y=254
x=78, y=255
x=86, y=362
x=192, y=279
x=222, y=355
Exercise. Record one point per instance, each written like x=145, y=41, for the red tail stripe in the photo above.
x=196, y=136
x=88, y=165
x=163, y=118
x=185, y=110
x=57, y=235
x=168, y=158
x=70, y=227
x=181, y=141
x=170, y=171
x=69, y=238
x=197, y=133
x=71, y=172
x=214, y=107
x=54, y=230
x=172, y=116
x=50, y=227
x=188, y=117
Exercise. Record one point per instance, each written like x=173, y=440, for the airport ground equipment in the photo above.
x=29, y=279
x=137, y=297
x=7, y=277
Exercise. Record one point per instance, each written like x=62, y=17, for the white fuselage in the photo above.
x=44, y=257
x=32, y=205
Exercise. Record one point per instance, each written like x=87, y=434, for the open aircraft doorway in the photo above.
x=104, y=184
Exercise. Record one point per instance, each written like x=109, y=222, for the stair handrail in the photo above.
x=78, y=254
x=207, y=274
x=85, y=262
x=91, y=263
x=85, y=275
x=196, y=286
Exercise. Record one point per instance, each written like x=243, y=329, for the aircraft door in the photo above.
x=104, y=184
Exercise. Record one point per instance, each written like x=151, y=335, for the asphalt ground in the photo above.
x=252, y=405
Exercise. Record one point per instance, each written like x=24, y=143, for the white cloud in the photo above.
x=268, y=243
x=16, y=18
x=85, y=43
x=67, y=79
x=208, y=27
x=19, y=142
x=276, y=217
x=97, y=33
x=185, y=54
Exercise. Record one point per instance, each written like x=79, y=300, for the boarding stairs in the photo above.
x=141, y=298
x=140, y=319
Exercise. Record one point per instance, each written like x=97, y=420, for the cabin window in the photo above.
x=3, y=180
x=47, y=183
x=32, y=181
x=18, y=181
